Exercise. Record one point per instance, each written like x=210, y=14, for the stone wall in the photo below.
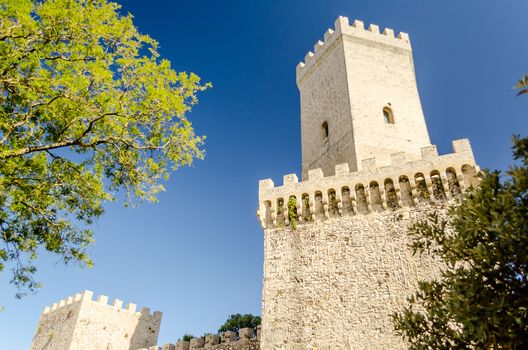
x=403, y=183
x=333, y=284
x=80, y=323
x=248, y=339
x=337, y=262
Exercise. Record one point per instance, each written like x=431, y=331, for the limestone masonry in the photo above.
x=336, y=256
x=80, y=323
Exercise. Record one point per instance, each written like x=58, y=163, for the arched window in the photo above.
x=375, y=196
x=406, y=191
x=361, y=197
x=388, y=115
x=324, y=130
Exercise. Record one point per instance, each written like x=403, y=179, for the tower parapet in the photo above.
x=357, y=30
x=79, y=322
x=402, y=183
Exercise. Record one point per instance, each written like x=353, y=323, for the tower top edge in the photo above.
x=356, y=29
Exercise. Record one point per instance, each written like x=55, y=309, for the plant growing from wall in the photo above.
x=333, y=207
x=307, y=215
x=292, y=212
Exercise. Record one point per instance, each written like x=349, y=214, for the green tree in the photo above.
x=88, y=109
x=237, y=321
x=480, y=300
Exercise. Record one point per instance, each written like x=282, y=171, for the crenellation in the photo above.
x=342, y=169
x=182, y=345
x=196, y=343
x=248, y=339
x=290, y=179
x=398, y=158
x=356, y=29
x=388, y=32
x=432, y=168
x=84, y=323
x=315, y=174
x=102, y=299
x=429, y=152
x=318, y=46
x=369, y=164
x=373, y=28
x=117, y=304
x=358, y=24
x=131, y=307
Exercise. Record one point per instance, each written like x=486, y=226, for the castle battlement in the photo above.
x=248, y=339
x=357, y=31
x=87, y=297
x=80, y=322
x=403, y=183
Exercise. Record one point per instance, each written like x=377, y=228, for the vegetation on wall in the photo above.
x=87, y=108
x=293, y=217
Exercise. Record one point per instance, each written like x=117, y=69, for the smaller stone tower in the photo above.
x=80, y=323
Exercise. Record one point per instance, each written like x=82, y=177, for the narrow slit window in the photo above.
x=388, y=115
x=324, y=130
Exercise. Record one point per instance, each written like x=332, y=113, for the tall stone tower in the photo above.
x=336, y=257
x=80, y=323
x=359, y=99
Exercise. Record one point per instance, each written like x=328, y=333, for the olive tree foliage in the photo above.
x=480, y=300
x=88, y=109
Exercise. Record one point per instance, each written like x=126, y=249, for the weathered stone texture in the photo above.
x=333, y=284
x=80, y=323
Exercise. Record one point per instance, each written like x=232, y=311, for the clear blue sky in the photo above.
x=197, y=254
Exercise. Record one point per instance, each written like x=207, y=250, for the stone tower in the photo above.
x=80, y=323
x=336, y=257
x=359, y=99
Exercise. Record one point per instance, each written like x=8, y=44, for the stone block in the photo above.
x=245, y=333
x=369, y=164
x=168, y=347
x=398, y=158
x=462, y=146
x=196, y=343
x=212, y=339
x=182, y=345
x=429, y=152
x=290, y=179
x=228, y=337
x=342, y=169
x=315, y=174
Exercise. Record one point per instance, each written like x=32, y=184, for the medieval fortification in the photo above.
x=336, y=256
